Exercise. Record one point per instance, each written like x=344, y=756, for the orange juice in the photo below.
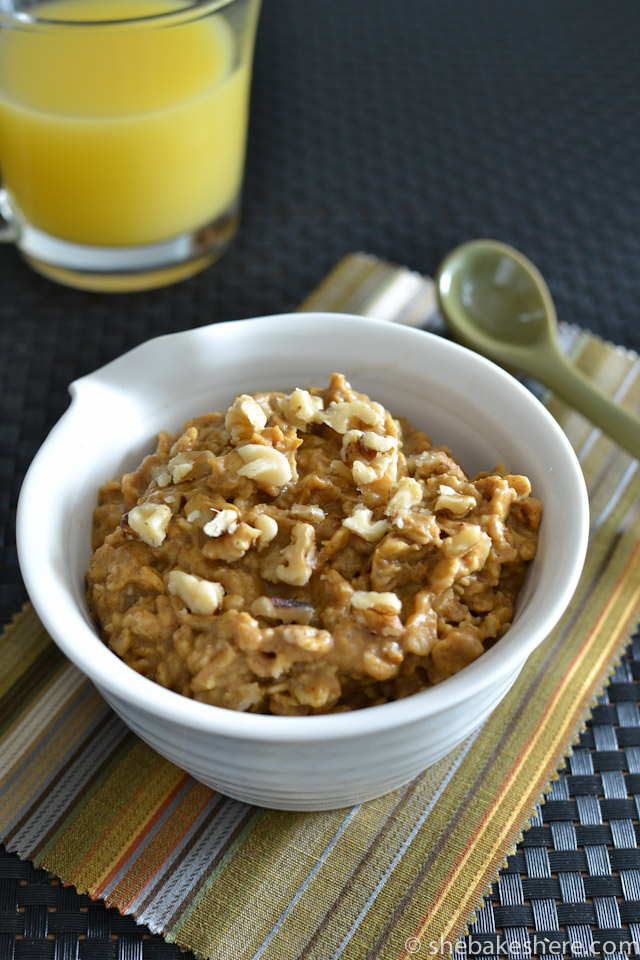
x=121, y=135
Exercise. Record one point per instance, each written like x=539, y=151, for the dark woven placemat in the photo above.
x=42, y=920
x=573, y=886
x=402, y=129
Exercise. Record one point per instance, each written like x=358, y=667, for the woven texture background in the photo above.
x=573, y=887
x=403, y=129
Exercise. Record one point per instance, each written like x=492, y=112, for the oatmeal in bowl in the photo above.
x=306, y=553
x=302, y=741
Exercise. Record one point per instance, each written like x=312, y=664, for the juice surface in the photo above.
x=117, y=135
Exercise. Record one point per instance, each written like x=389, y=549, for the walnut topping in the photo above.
x=150, y=522
x=268, y=528
x=341, y=416
x=350, y=444
x=244, y=417
x=436, y=462
x=308, y=511
x=450, y=499
x=179, y=467
x=201, y=596
x=373, y=441
x=406, y=494
x=163, y=479
x=363, y=473
x=469, y=536
x=181, y=472
x=231, y=546
x=371, y=600
x=265, y=464
x=361, y=522
x=286, y=611
x=299, y=556
x=309, y=639
x=365, y=442
x=224, y=521
x=301, y=408
x=378, y=612
x=372, y=457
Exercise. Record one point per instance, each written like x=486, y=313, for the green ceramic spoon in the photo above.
x=497, y=303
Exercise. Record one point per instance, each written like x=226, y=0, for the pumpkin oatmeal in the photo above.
x=306, y=553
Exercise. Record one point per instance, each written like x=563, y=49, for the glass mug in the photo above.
x=123, y=130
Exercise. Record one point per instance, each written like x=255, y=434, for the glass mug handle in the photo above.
x=8, y=226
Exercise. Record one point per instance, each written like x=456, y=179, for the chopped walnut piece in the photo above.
x=301, y=408
x=308, y=511
x=373, y=441
x=371, y=600
x=373, y=458
x=265, y=464
x=419, y=526
x=344, y=415
x=224, y=521
x=469, y=535
x=436, y=462
x=278, y=608
x=201, y=596
x=244, y=418
x=150, y=521
x=363, y=473
x=299, y=557
x=406, y=493
x=180, y=467
x=361, y=522
x=450, y=499
x=357, y=442
x=379, y=613
x=309, y=639
x=233, y=545
x=181, y=472
x=268, y=528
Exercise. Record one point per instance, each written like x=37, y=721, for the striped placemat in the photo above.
x=397, y=877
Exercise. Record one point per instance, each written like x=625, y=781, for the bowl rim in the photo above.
x=121, y=683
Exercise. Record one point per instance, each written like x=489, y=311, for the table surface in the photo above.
x=401, y=129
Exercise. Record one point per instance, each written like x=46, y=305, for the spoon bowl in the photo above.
x=494, y=289
x=497, y=302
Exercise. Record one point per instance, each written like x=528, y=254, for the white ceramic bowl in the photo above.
x=457, y=397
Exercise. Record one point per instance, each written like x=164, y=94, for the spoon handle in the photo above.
x=573, y=387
